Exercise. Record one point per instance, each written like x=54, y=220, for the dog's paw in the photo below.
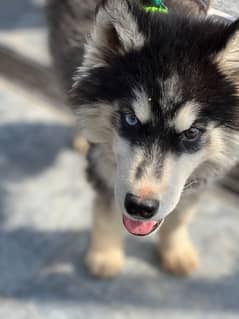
x=105, y=264
x=181, y=260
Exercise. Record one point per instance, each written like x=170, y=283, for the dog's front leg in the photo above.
x=176, y=251
x=105, y=257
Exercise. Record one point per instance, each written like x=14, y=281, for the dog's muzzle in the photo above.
x=140, y=208
x=140, y=211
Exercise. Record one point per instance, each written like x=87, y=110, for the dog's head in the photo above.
x=162, y=91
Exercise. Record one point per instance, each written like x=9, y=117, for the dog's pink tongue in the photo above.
x=139, y=228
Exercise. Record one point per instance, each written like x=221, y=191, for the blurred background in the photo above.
x=45, y=206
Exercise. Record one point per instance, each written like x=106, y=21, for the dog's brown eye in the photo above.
x=191, y=135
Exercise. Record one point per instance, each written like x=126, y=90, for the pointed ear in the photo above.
x=115, y=31
x=228, y=57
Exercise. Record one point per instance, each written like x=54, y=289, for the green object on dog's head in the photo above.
x=157, y=6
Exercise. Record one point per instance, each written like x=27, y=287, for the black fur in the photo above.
x=176, y=45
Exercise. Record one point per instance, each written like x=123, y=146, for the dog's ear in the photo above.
x=227, y=58
x=115, y=31
x=189, y=7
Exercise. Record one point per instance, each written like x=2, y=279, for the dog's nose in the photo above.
x=137, y=207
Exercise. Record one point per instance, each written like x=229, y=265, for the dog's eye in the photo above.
x=191, y=135
x=131, y=119
x=191, y=140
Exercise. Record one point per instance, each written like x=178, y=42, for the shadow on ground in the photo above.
x=29, y=148
x=49, y=267
x=26, y=150
x=20, y=14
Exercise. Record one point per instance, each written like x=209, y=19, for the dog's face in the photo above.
x=163, y=92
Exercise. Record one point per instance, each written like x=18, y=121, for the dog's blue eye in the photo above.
x=131, y=120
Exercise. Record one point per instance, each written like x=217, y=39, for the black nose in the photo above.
x=137, y=207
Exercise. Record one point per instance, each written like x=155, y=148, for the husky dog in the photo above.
x=157, y=97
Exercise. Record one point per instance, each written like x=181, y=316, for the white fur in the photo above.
x=185, y=117
x=217, y=156
x=141, y=106
x=228, y=59
x=168, y=188
x=95, y=122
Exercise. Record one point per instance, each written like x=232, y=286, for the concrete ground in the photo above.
x=45, y=213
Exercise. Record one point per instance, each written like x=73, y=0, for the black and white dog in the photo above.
x=157, y=97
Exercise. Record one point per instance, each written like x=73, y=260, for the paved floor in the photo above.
x=45, y=207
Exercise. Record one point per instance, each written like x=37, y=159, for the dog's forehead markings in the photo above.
x=185, y=116
x=171, y=90
x=141, y=105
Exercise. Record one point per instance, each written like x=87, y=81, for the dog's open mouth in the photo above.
x=140, y=227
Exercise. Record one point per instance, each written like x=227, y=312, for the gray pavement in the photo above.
x=23, y=29
x=45, y=214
